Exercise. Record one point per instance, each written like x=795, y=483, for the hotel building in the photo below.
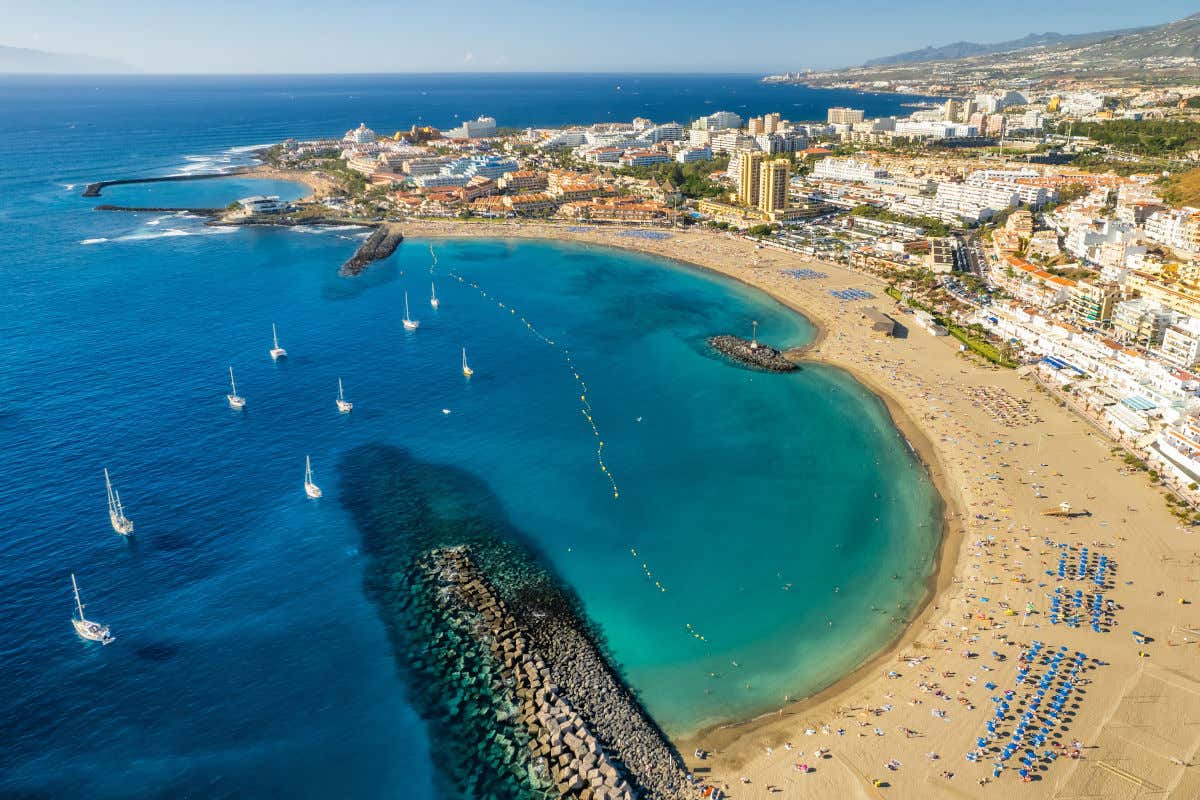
x=845, y=116
x=750, y=178
x=1140, y=322
x=480, y=128
x=773, y=186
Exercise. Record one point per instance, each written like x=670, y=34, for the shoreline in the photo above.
x=1001, y=454
x=721, y=734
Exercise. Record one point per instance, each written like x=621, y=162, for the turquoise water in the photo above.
x=249, y=659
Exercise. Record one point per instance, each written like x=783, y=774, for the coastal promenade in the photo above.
x=908, y=717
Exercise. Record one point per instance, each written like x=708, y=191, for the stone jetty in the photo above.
x=200, y=212
x=379, y=245
x=587, y=736
x=752, y=353
x=94, y=189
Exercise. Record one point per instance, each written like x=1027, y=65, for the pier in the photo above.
x=378, y=246
x=752, y=353
x=94, y=189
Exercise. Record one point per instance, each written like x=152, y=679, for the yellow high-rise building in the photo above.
x=749, y=187
x=773, y=185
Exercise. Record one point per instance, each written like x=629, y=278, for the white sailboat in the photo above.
x=343, y=405
x=86, y=628
x=116, y=513
x=311, y=489
x=467, y=371
x=235, y=399
x=410, y=324
x=277, y=352
x=433, y=301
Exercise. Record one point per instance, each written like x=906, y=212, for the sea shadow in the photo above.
x=404, y=507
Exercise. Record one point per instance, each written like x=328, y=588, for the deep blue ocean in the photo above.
x=780, y=517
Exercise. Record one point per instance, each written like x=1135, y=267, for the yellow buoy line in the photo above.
x=689, y=629
x=586, y=407
x=586, y=410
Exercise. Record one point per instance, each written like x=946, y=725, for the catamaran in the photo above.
x=466, y=370
x=116, y=513
x=410, y=324
x=433, y=301
x=343, y=405
x=235, y=399
x=277, y=352
x=92, y=631
x=310, y=488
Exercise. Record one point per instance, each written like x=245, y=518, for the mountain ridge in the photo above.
x=27, y=61
x=963, y=49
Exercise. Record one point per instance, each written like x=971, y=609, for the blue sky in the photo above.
x=520, y=35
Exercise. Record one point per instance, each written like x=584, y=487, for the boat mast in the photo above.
x=406, y=305
x=232, y=384
x=108, y=486
x=274, y=336
x=78, y=603
x=340, y=395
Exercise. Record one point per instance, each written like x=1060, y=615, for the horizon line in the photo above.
x=140, y=73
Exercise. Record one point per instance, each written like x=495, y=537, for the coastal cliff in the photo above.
x=752, y=354
x=378, y=246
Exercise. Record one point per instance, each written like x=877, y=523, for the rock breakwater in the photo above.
x=378, y=246
x=94, y=189
x=518, y=693
x=752, y=353
x=563, y=747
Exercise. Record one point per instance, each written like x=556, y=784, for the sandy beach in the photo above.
x=321, y=185
x=1002, y=453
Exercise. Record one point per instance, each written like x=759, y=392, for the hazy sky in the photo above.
x=520, y=35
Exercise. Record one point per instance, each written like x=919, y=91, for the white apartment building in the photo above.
x=847, y=169
x=1009, y=180
x=1176, y=228
x=1177, y=450
x=934, y=129
x=564, y=139
x=964, y=202
x=360, y=135
x=1181, y=343
x=1084, y=241
x=667, y=132
x=845, y=116
x=1140, y=321
x=479, y=128
x=1081, y=104
x=687, y=155
x=733, y=141
x=719, y=121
